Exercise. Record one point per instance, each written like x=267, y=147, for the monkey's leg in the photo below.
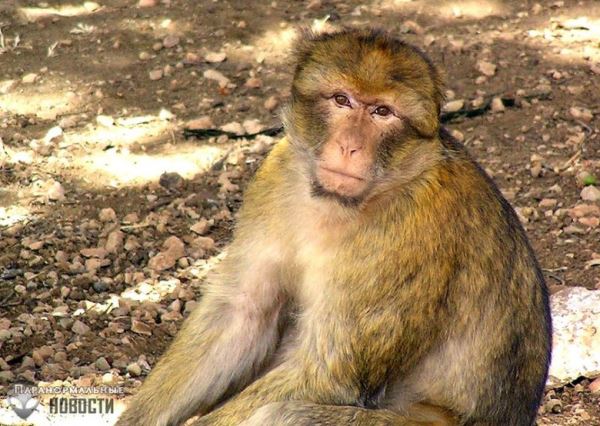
x=280, y=398
x=220, y=349
x=300, y=413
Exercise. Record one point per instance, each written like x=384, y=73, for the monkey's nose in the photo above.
x=349, y=148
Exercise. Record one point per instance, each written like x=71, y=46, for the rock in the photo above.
x=140, y=327
x=497, y=104
x=590, y=193
x=215, y=57
x=134, y=369
x=204, y=243
x=55, y=191
x=582, y=114
x=170, y=41
x=147, y=3
x=7, y=377
x=100, y=287
x=93, y=264
x=98, y=252
x=102, y=364
x=162, y=261
x=107, y=215
x=54, y=134
x=548, y=203
x=553, y=405
x=252, y=126
x=233, y=127
x=271, y=103
x=171, y=181
x=217, y=76
x=29, y=78
x=594, y=386
x=105, y=120
x=576, y=342
x=155, y=74
x=174, y=246
x=114, y=241
x=583, y=210
x=201, y=227
x=253, y=83
x=411, y=27
x=314, y=5
x=572, y=229
x=192, y=58
x=68, y=122
x=454, y=106
x=591, y=222
x=486, y=68
x=7, y=86
x=144, y=56
x=200, y=123
x=80, y=328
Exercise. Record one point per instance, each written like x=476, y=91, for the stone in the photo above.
x=134, y=369
x=204, y=122
x=29, y=78
x=102, y=364
x=201, y=227
x=140, y=327
x=174, y=246
x=454, y=106
x=590, y=193
x=107, y=215
x=486, y=68
x=80, y=328
x=576, y=342
x=114, y=241
x=215, y=57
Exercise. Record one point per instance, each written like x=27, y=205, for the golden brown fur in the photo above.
x=405, y=294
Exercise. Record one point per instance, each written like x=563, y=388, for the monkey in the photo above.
x=376, y=275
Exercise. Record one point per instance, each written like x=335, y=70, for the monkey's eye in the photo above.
x=342, y=100
x=382, y=111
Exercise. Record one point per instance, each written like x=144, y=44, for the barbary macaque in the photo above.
x=377, y=276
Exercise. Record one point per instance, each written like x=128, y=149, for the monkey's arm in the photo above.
x=221, y=347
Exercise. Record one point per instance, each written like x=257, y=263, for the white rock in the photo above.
x=107, y=215
x=201, y=227
x=217, y=76
x=590, y=193
x=252, y=126
x=204, y=122
x=155, y=74
x=29, y=78
x=486, y=68
x=497, y=104
x=454, y=106
x=55, y=191
x=576, y=341
x=233, y=127
x=54, y=133
x=215, y=57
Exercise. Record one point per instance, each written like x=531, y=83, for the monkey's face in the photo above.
x=355, y=105
x=352, y=156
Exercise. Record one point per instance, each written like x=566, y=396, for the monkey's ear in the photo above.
x=308, y=36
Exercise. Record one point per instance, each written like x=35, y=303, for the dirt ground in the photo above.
x=93, y=100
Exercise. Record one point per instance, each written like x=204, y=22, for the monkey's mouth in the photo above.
x=340, y=173
x=341, y=183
